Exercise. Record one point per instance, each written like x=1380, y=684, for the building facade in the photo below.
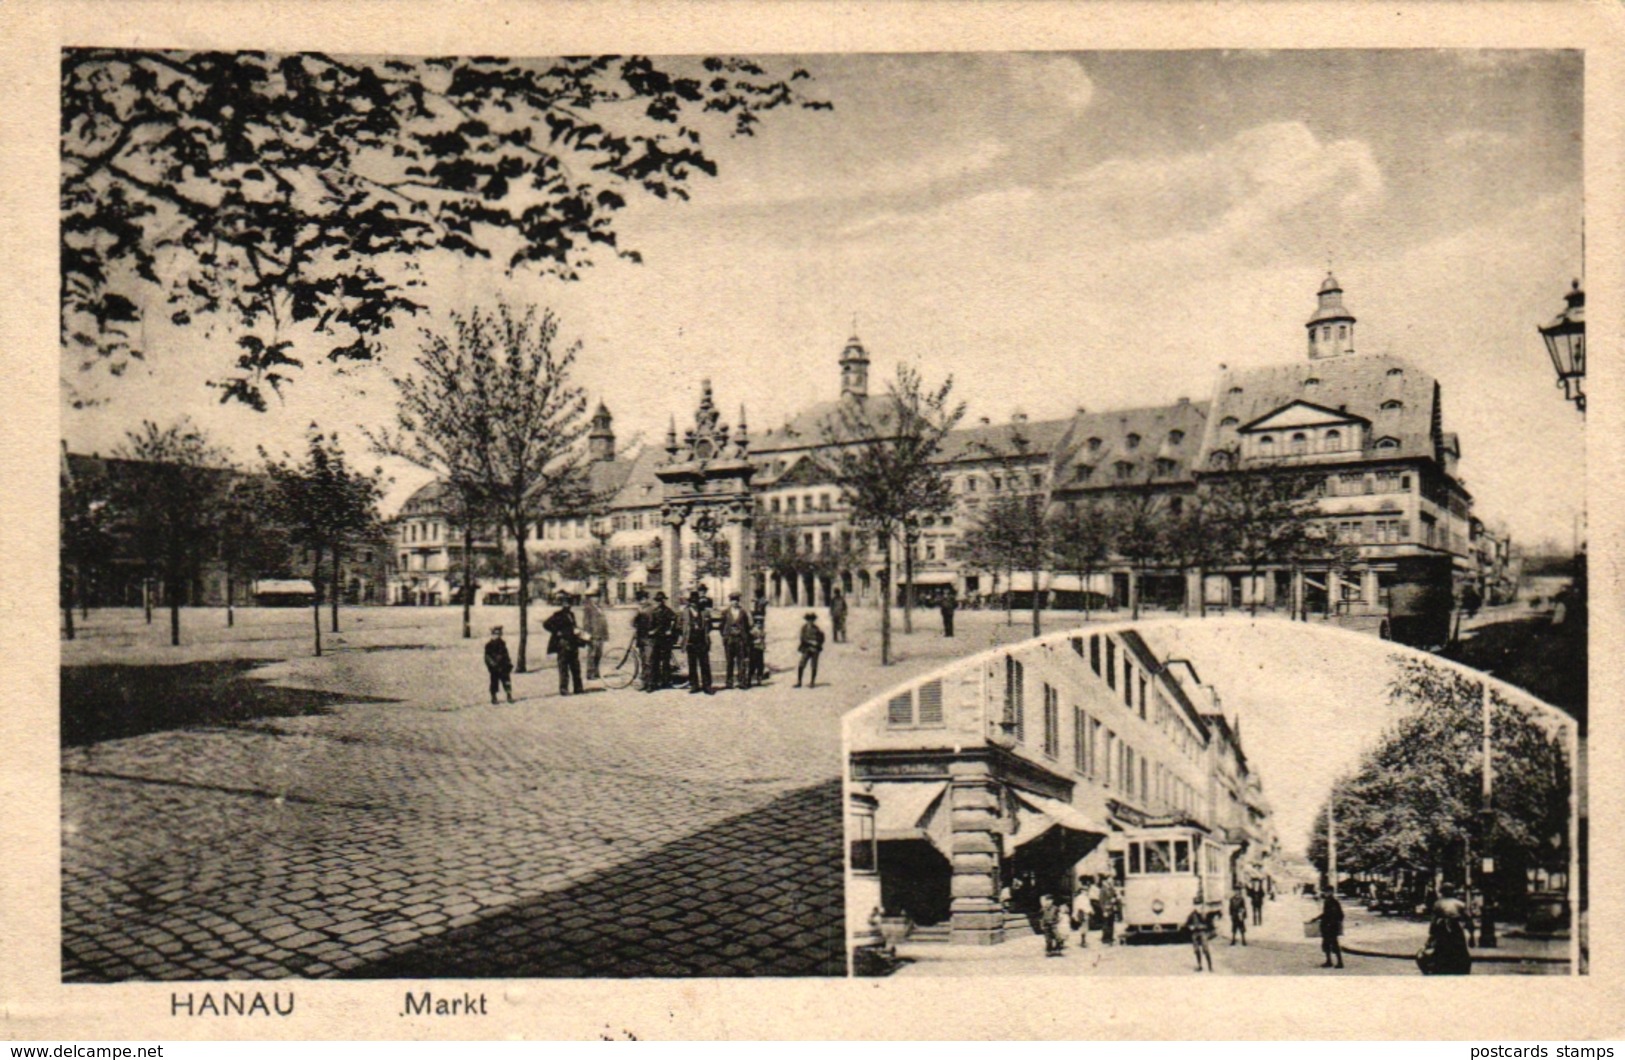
x=1365, y=433
x=1004, y=776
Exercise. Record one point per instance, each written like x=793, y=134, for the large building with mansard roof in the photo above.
x=1366, y=430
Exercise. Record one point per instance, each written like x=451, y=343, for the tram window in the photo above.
x=1182, y=856
x=1134, y=858
x=1158, y=857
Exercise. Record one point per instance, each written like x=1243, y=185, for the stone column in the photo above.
x=976, y=917
x=1334, y=591
x=1297, y=594
x=671, y=556
x=1368, y=585
x=737, y=534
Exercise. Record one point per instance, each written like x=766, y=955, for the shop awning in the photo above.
x=1034, y=815
x=913, y=811
x=933, y=577
x=1022, y=581
x=284, y=585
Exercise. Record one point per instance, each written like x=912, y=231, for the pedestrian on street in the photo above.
x=696, y=634
x=1080, y=912
x=1255, y=894
x=948, y=605
x=1238, y=918
x=1447, y=951
x=758, y=650
x=1331, y=928
x=565, y=642
x=811, y=645
x=663, y=633
x=1049, y=919
x=643, y=639
x=597, y=628
x=736, y=628
x=1200, y=925
x=498, y=664
x=837, y=616
x=1108, y=911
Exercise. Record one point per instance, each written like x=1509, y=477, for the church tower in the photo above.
x=1331, y=329
x=601, y=436
x=854, y=369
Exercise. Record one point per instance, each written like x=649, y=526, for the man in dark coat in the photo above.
x=837, y=616
x=498, y=664
x=564, y=641
x=696, y=634
x=663, y=626
x=811, y=645
x=948, y=606
x=642, y=637
x=736, y=627
x=1331, y=929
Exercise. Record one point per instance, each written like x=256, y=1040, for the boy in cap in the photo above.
x=498, y=664
x=811, y=644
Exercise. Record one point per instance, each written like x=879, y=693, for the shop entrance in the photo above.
x=915, y=881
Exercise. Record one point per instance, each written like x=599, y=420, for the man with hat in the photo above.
x=642, y=640
x=696, y=634
x=811, y=644
x=662, y=639
x=498, y=664
x=736, y=629
x=564, y=641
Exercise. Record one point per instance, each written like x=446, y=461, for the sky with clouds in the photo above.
x=1059, y=230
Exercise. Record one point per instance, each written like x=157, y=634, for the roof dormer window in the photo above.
x=1229, y=421
x=1235, y=391
x=1133, y=441
x=1392, y=405
x=1094, y=445
x=1392, y=372
x=1175, y=437
x=1311, y=383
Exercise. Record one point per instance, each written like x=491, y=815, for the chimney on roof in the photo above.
x=1082, y=410
x=1184, y=401
x=983, y=420
x=1018, y=417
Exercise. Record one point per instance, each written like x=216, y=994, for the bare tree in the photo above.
x=887, y=451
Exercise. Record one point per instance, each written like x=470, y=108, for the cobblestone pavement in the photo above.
x=1275, y=947
x=411, y=828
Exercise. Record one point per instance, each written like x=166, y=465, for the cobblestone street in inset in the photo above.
x=383, y=819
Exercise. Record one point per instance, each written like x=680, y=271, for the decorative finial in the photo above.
x=671, y=438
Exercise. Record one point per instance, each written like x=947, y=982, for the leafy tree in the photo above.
x=167, y=492
x=1268, y=514
x=493, y=395
x=84, y=539
x=1140, y=519
x=247, y=542
x=1002, y=539
x=1413, y=805
x=886, y=451
x=1081, y=535
x=1017, y=521
x=325, y=505
x=1193, y=539
x=295, y=196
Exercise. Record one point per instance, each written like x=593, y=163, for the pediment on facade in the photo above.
x=1300, y=414
x=807, y=471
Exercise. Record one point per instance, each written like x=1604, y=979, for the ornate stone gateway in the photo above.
x=706, y=506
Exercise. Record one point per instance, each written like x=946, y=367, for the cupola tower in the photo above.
x=1331, y=329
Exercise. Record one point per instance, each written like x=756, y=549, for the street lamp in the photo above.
x=1565, y=341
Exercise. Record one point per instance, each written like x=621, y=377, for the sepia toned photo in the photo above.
x=852, y=520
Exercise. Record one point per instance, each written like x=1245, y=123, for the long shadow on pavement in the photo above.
x=759, y=894
x=113, y=701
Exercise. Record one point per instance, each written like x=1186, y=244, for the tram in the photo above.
x=1167, y=868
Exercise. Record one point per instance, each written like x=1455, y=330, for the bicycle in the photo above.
x=627, y=671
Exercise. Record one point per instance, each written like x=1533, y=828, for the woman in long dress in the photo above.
x=1447, y=935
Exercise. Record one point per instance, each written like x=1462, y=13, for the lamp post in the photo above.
x=1565, y=340
x=911, y=537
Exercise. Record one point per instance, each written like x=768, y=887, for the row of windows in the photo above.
x=1014, y=480
x=1132, y=441
x=1103, y=661
x=564, y=529
x=1372, y=531
x=1364, y=485
x=1123, y=470
x=632, y=521
x=823, y=501
x=1298, y=443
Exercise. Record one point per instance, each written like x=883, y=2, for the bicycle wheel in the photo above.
x=624, y=673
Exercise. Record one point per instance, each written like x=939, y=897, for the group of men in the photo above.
x=657, y=631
